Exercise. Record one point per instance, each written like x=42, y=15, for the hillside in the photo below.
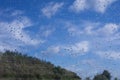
x=15, y=66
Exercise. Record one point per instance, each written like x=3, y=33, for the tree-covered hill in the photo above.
x=15, y=66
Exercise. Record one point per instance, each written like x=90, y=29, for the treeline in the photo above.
x=16, y=66
x=104, y=76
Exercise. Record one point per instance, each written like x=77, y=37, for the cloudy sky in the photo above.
x=79, y=35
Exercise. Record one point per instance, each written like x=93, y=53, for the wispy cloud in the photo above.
x=14, y=31
x=84, y=28
x=102, y=5
x=11, y=13
x=46, y=32
x=52, y=49
x=78, y=48
x=17, y=12
x=79, y=5
x=96, y=5
x=108, y=29
x=6, y=46
x=94, y=29
x=101, y=36
x=51, y=9
x=109, y=54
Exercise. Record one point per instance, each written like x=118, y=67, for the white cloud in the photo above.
x=8, y=12
x=15, y=30
x=81, y=47
x=102, y=5
x=109, y=54
x=74, y=31
x=108, y=29
x=90, y=62
x=96, y=5
x=13, y=34
x=78, y=48
x=47, y=32
x=79, y=5
x=4, y=47
x=51, y=9
x=52, y=49
x=93, y=29
x=89, y=30
x=17, y=12
x=101, y=35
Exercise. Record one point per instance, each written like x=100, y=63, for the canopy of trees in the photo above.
x=15, y=66
x=104, y=76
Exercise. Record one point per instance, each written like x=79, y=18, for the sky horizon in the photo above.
x=80, y=35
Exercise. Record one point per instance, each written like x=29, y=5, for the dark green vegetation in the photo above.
x=104, y=76
x=15, y=66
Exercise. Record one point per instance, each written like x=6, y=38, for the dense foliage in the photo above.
x=104, y=76
x=15, y=66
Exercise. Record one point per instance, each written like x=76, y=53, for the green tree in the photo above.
x=17, y=66
x=100, y=77
x=106, y=74
x=116, y=78
x=87, y=78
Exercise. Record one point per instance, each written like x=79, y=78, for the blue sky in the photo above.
x=79, y=35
